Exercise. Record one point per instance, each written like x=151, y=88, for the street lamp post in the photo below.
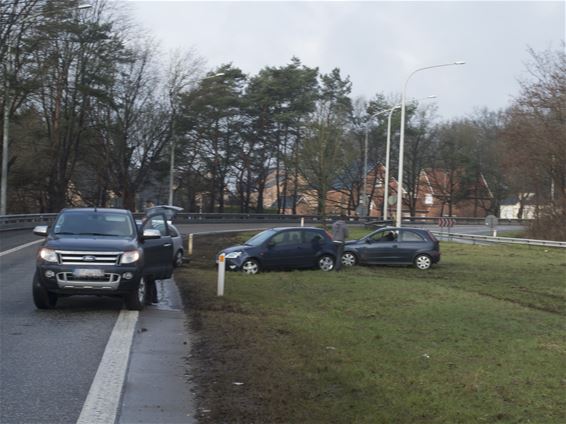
x=387, y=150
x=9, y=73
x=172, y=159
x=402, y=138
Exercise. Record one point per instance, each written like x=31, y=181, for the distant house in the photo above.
x=521, y=206
x=440, y=193
x=454, y=193
x=345, y=196
x=302, y=206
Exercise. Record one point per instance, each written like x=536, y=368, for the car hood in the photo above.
x=236, y=248
x=349, y=242
x=98, y=244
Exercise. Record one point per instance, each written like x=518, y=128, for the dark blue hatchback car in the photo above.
x=283, y=248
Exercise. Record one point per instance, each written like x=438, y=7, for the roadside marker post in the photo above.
x=190, y=246
x=492, y=221
x=302, y=221
x=221, y=274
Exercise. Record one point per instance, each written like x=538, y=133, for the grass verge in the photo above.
x=479, y=338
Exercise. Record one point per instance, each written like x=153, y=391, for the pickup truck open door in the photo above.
x=158, y=251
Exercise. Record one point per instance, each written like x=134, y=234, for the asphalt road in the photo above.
x=47, y=358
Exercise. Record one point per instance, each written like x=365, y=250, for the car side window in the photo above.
x=411, y=236
x=313, y=237
x=287, y=238
x=384, y=236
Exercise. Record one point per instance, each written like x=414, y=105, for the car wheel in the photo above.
x=135, y=299
x=42, y=298
x=326, y=263
x=423, y=262
x=349, y=259
x=251, y=266
x=178, y=261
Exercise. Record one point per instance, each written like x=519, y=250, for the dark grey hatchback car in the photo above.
x=394, y=246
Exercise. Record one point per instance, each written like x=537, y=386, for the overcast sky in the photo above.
x=378, y=44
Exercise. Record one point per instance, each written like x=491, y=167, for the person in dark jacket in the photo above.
x=339, y=236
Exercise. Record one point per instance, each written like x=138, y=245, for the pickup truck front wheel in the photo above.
x=42, y=298
x=135, y=299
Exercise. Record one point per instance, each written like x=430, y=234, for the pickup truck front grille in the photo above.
x=108, y=281
x=88, y=258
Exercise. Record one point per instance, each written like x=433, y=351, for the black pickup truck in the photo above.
x=94, y=251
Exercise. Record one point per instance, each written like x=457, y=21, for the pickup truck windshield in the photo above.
x=94, y=224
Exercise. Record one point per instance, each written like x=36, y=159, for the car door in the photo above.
x=382, y=247
x=284, y=250
x=410, y=243
x=157, y=252
x=313, y=246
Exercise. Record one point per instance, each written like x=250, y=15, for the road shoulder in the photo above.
x=157, y=387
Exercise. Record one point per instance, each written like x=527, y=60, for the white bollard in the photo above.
x=302, y=221
x=190, y=247
x=221, y=273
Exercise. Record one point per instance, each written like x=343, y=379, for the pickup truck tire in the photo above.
x=135, y=299
x=42, y=298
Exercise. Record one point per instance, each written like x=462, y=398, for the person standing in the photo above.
x=339, y=236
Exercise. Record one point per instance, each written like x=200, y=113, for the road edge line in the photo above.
x=105, y=394
x=23, y=246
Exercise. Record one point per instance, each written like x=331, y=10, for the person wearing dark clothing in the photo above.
x=339, y=236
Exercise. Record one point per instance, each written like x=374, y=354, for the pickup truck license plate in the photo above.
x=88, y=273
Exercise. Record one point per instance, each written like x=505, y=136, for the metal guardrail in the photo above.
x=15, y=222
x=30, y=220
x=474, y=238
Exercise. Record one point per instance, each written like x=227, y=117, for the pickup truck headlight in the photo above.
x=130, y=257
x=48, y=255
x=233, y=255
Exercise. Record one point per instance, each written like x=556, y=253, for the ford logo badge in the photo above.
x=89, y=258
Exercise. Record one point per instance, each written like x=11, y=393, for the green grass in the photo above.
x=481, y=337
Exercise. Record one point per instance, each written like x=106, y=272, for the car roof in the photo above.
x=72, y=210
x=399, y=228
x=295, y=228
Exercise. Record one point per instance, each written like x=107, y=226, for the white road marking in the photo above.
x=23, y=246
x=103, y=399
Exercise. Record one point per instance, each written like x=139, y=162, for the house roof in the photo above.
x=287, y=202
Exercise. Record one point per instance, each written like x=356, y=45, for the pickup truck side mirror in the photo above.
x=271, y=244
x=151, y=234
x=40, y=230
